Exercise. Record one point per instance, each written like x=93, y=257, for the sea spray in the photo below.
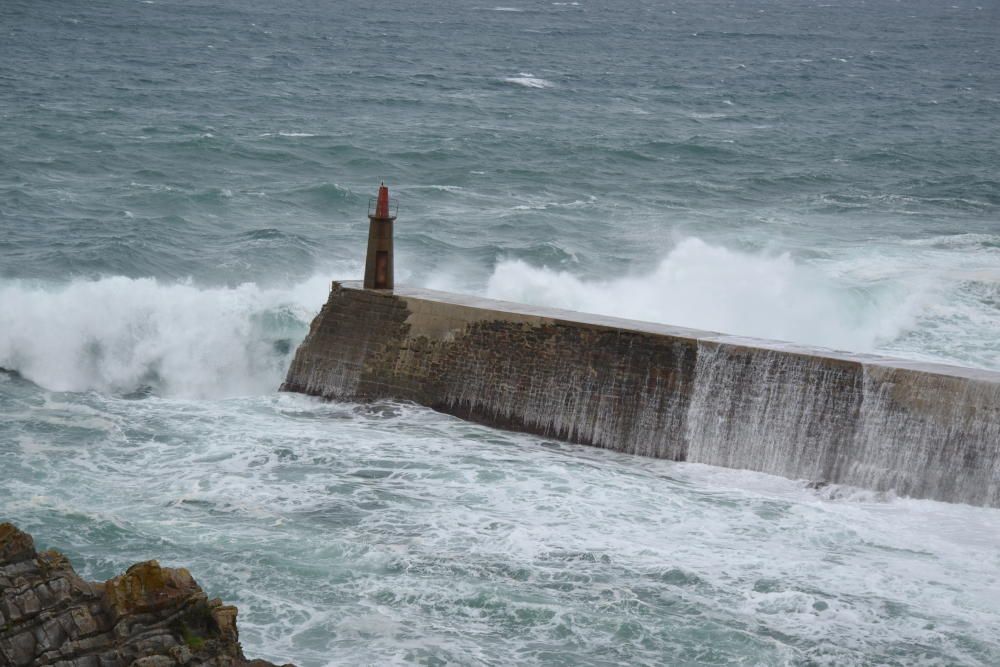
x=713, y=288
x=121, y=334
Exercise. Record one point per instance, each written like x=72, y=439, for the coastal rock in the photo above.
x=150, y=616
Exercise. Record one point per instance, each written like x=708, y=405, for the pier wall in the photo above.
x=922, y=430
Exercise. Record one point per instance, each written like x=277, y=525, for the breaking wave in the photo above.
x=121, y=334
x=528, y=80
x=714, y=288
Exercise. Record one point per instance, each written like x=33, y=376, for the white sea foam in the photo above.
x=439, y=188
x=287, y=134
x=957, y=320
x=433, y=534
x=528, y=80
x=714, y=288
x=116, y=334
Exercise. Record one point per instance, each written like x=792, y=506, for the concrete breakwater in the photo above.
x=923, y=430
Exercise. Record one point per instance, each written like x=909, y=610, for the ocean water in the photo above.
x=179, y=182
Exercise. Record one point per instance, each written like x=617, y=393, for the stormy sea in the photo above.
x=180, y=180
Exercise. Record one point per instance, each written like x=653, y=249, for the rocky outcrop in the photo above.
x=151, y=616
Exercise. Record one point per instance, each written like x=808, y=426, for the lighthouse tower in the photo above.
x=378, y=264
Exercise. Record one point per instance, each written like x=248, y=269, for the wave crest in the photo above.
x=708, y=287
x=118, y=334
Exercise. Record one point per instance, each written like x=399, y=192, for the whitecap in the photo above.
x=439, y=188
x=287, y=134
x=528, y=80
x=115, y=334
x=713, y=288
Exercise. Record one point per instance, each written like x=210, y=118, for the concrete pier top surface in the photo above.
x=559, y=315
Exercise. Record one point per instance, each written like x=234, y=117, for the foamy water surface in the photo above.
x=388, y=534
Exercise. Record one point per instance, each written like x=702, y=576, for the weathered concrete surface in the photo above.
x=924, y=430
x=151, y=616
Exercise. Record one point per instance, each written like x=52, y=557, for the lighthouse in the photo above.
x=378, y=263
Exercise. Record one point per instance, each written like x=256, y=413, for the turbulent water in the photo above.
x=180, y=181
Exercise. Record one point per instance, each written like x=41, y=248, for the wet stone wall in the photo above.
x=920, y=429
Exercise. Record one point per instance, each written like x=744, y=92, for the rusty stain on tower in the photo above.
x=378, y=263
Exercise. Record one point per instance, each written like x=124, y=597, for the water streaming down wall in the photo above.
x=923, y=430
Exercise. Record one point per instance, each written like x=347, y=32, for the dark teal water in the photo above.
x=238, y=141
x=179, y=181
